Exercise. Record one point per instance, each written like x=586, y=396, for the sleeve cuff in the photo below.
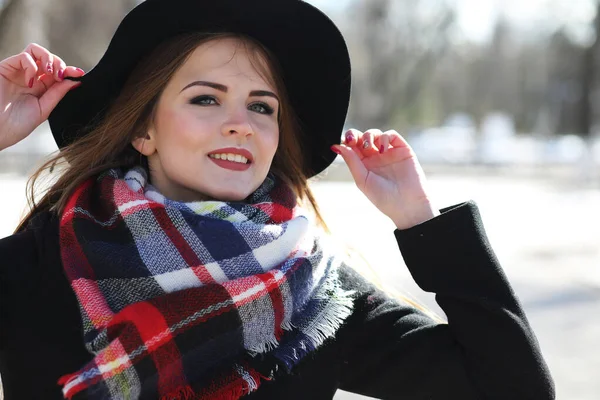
x=451, y=252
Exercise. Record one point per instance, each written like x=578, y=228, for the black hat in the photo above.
x=310, y=48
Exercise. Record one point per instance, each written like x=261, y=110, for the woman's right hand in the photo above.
x=31, y=85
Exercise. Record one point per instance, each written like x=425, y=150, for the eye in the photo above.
x=203, y=100
x=262, y=108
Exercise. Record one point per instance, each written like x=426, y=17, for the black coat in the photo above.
x=386, y=349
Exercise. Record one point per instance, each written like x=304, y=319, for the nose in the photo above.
x=237, y=123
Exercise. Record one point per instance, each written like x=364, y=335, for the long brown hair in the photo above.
x=108, y=144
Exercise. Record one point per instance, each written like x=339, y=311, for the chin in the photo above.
x=229, y=195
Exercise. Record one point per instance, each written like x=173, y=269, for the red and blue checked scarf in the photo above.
x=199, y=300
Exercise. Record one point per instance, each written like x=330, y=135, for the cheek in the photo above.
x=179, y=128
x=269, y=144
x=275, y=141
x=269, y=135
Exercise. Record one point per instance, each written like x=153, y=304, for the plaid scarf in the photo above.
x=199, y=300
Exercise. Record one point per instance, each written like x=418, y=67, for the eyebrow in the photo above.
x=223, y=88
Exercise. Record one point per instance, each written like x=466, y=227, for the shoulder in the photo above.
x=27, y=244
x=21, y=242
x=30, y=259
x=376, y=314
x=372, y=303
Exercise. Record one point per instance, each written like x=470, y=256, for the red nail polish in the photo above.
x=349, y=138
x=61, y=74
x=31, y=83
x=49, y=68
x=335, y=150
x=381, y=149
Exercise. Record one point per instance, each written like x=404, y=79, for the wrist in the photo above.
x=417, y=216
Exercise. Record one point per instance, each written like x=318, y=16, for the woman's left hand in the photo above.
x=387, y=171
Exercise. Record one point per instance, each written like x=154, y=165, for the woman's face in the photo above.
x=215, y=132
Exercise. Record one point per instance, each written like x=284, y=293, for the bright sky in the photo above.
x=476, y=17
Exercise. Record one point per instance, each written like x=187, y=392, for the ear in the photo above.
x=145, y=144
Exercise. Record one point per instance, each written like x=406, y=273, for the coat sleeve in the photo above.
x=18, y=255
x=487, y=350
x=20, y=274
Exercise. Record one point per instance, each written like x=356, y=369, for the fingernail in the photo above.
x=80, y=70
x=49, y=68
x=366, y=144
x=335, y=150
x=77, y=85
x=61, y=74
x=349, y=137
x=381, y=149
x=31, y=83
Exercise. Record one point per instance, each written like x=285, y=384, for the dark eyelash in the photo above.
x=268, y=109
x=198, y=101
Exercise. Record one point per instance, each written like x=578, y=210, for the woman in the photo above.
x=179, y=253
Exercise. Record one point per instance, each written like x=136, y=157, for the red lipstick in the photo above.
x=232, y=165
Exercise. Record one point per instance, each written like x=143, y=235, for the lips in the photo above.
x=232, y=164
x=234, y=150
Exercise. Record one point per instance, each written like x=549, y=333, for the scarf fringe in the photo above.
x=339, y=306
x=330, y=319
x=185, y=393
x=271, y=344
x=306, y=291
x=250, y=382
x=64, y=380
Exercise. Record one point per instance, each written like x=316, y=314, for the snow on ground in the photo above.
x=545, y=232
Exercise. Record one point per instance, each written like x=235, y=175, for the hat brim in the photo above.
x=310, y=48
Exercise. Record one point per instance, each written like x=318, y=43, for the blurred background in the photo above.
x=500, y=100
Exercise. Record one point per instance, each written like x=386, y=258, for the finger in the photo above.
x=366, y=143
x=358, y=151
x=69, y=72
x=30, y=67
x=355, y=165
x=397, y=140
x=40, y=71
x=59, y=69
x=45, y=58
x=54, y=94
x=13, y=66
x=73, y=72
x=382, y=142
x=47, y=81
x=351, y=137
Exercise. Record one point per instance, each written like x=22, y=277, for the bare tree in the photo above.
x=590, y=82
x=396, y=46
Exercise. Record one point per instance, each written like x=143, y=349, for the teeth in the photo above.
x=230, y=157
